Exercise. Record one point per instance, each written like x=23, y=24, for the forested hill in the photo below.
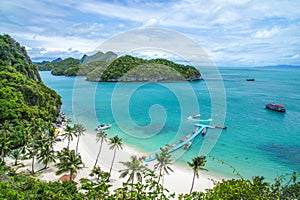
x=73, y=67
x=108, y=68
x=23, y=95
x=131, y=69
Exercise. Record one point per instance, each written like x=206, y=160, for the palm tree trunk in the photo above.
x=76, y=152
x=193, y=183
x=71, y=174
x=112, y=163
x=2, y=155
x=98, y=154
x=159, y=175
x=69, y=140
x=132, y=184
x=32, y=165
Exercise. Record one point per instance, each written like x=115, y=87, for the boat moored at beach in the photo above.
x=276, y=107
x=103, y=127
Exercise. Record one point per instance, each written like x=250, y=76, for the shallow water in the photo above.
x=150, y=115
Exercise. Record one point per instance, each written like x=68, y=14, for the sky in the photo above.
x=232, y=32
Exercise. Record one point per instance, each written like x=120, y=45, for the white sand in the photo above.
x=178, y=181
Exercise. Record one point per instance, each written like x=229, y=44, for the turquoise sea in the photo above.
x=150, y=115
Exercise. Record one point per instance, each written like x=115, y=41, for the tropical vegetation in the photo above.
x=128, y=68
x=23, y=96
x=163, y=163
x=28, y=110
x=115, y=143
x=107, y=67
x=75, y=67
x=197, y=164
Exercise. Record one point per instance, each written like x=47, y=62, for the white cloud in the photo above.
x=266, y=33
x=232, y=30
x=150, y=22
x=133, y=12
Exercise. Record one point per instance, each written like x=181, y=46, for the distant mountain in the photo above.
x=56, y=60
x=41, y=64
x=66, y=67
x=99, y=56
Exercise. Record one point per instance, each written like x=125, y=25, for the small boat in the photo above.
x=220, y=127
x=250, y=79
x=102, y=127
x=186, y=146
x=194, y=116
x=276, y=107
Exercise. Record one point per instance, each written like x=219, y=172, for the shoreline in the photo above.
x=181, y=174
x=178, y=181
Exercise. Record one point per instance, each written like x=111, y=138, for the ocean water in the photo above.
x=150, y=115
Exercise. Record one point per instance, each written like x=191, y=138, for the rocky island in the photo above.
x=107, y=67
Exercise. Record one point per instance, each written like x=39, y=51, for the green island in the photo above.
x=28, y=115
x=107, y=67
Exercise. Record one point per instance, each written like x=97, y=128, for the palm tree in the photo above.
x=69, y=162
x=163, y=162
x=197, y=164
x=33, y=147
x=115, y=143
x=133, y=168
x=99, y=173
x=101, y=136
x=47, y=153
x=34, y=143
x=6, y=129
x=69, y=133
x=79, y=131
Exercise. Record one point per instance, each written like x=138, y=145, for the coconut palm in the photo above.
x=163, y=162
x=69, y=162
x=5, y=134
x=46, y=154
x=133, y=168
x=69, y=134
x=33, y=147
x=34, y=143
x=79, y=131
x=101, y=136
x=197, y=164
x=97, y=171
x=115, y=143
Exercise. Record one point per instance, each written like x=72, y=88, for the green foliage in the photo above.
x=101, y=175
x=129, y=68
x=163, y=162
x=23, y=96
x=67, y=67
x=75, y=67
x=134, y=168
x=19, y=186
x=115, y=143
x=69, y=162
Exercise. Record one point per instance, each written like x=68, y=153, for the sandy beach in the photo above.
x=178, y=181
